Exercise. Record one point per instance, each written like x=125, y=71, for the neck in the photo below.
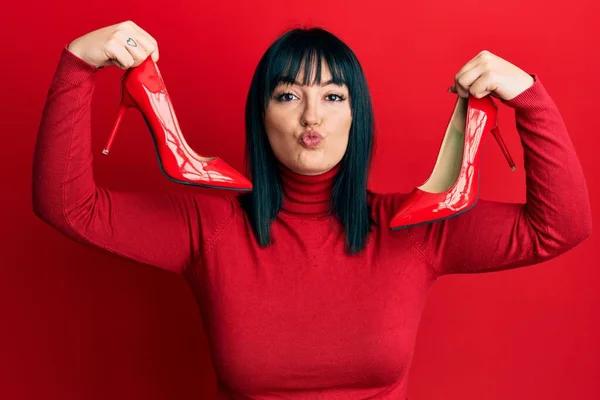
x=308, y=195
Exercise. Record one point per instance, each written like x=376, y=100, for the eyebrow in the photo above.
x=287, y=79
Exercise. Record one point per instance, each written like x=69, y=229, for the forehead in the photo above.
x=324, y=71
x=316, y=76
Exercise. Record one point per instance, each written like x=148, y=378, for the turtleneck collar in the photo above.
x=308, y=195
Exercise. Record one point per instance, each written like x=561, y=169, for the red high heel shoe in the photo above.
x=453, y=187
x=142, y=87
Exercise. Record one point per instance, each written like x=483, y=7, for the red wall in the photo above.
x=76, y=323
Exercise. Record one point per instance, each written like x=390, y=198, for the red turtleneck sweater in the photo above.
x=301, y=319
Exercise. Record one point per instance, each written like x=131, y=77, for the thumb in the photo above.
x=116, y=64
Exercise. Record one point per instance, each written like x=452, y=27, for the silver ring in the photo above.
x=131, y=42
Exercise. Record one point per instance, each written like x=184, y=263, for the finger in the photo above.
x=116, y=63
x=464, y=81
x=459, y=89
x=472, y=63
x=131, y=44
x=147, y=40
x=483, y=86
x=469, y=65
x=118, y=54
x=480, y=58
x=149, y=47
x=150, y=37
x=453, y=89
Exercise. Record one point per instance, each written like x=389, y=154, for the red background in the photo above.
x=76, y=323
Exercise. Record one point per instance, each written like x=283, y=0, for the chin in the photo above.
x=312, y=167
x=310, y=171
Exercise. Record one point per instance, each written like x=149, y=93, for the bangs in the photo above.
x=306, y=54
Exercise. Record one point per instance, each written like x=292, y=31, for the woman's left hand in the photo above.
x=489, y=74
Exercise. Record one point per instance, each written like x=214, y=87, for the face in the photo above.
x=294, y=109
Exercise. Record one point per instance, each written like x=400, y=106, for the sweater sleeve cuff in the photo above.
x=532, y=98
x=73, y=69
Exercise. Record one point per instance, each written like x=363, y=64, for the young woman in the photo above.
x=305, y=291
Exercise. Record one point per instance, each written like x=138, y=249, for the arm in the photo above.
x=163, y=230
x=556, y=216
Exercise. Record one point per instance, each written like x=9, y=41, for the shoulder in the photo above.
x=210, y=206
x=384, y=205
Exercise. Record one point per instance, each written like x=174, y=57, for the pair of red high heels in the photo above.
x=452, y=188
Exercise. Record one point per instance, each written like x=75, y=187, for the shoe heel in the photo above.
x=126, y=102
x=496, y=132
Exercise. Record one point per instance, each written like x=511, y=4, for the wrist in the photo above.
x=74, y=49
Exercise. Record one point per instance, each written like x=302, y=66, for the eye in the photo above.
x=339, y=96
x=284, y=97
x=288, y=96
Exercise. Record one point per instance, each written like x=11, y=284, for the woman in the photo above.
x=304, y=290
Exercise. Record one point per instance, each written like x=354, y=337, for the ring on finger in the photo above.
x=131, y=42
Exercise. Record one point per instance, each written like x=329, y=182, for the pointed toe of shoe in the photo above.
x=226, y=177
x=419, y=208
x=408, y=211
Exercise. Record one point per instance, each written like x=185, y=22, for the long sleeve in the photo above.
x=165, y=230
x=555, y=217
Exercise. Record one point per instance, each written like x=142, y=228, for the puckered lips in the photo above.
x=310, y=139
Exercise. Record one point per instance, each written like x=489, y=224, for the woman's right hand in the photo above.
x=108, y=46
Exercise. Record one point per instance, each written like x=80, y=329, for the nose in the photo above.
x=311, y=115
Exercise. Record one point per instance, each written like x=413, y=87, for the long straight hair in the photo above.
x=280, y=62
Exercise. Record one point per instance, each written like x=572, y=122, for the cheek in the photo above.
x=279, y=132
x=348, y=121
x=277, y=124
x=344, y=123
